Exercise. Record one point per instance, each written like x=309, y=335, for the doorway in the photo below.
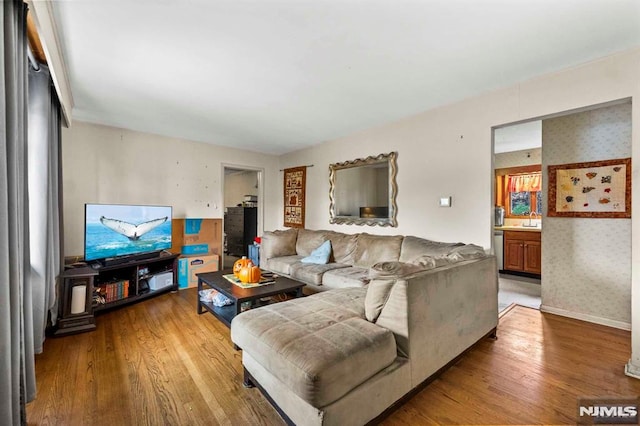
x=243, y=210
x=571, y=248
x=517, y=159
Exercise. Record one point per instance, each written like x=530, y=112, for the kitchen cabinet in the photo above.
x=522, y=252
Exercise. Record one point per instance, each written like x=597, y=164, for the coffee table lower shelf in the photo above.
x=223, y=313
x=256, y=296
x=227, y=313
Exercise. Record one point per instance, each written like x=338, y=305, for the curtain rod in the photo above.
x=307, y=165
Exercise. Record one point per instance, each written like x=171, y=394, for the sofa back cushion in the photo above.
x=343, y=247
x=392, y=270
x=309, y=240
x=278, y=243
x=372, y=249
x=414, y=247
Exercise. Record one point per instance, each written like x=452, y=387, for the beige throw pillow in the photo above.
x=378, y=292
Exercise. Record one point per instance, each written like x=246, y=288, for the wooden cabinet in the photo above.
x=86, y=291
x=533, y=257
x=522, y=252
x=240, y=227
x=131, y=281
x=513, y=254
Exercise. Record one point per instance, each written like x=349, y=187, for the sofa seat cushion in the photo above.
x=346, y=277
x=282, y=265
x=312, y=273
x=319, y=347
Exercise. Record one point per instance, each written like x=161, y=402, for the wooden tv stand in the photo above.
x=135, y=273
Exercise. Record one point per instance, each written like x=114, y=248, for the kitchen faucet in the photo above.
x=530, y=225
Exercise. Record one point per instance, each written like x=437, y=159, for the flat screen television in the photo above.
x=116, y=230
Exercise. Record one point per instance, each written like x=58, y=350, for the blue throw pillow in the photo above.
x=320, y=255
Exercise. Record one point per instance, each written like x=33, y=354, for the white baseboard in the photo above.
x=586, y=317
x=631, y=370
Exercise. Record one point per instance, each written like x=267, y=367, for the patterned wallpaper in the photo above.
x=586, y=263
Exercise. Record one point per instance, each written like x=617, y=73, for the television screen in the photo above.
x=113, y=230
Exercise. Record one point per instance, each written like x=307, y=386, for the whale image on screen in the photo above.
x=118, y=230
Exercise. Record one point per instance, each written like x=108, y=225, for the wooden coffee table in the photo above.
x=240, y=295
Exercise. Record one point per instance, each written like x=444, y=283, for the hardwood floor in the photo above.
x=159, y=363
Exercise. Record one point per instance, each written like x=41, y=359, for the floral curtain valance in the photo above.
x=525, y=183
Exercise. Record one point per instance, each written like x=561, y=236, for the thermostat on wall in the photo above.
x=445, y=201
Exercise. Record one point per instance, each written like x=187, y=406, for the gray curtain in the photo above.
x=44, y=147
x=17, y=378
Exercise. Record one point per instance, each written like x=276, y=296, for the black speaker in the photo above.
x=143, y=286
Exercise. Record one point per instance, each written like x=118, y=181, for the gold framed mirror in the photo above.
x=363, y=191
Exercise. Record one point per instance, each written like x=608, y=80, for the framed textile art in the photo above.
x=599, y=189
x=295, y=181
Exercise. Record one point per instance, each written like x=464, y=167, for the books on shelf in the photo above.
x=111, y=292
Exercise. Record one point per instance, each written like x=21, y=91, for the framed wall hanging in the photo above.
x=598, y=189
x=295, y=181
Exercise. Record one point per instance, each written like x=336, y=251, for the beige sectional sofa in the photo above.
x=391, y=312
x=353, y=255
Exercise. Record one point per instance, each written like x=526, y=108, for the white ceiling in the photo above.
x=277, y=76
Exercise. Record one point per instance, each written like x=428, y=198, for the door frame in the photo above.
x=260, y=212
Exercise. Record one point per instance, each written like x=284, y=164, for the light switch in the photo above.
x=445, y=201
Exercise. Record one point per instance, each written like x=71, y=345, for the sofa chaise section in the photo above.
x=319, y=360
x=318, y=348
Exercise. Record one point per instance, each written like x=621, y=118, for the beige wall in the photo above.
x=448, y=150
x=586, y=263
x=104, y=164
x=237, y=185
